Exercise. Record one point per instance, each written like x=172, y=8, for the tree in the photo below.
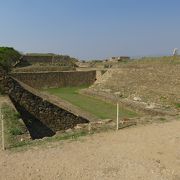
x=8, y=57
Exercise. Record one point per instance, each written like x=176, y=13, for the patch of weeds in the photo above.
x=177, y=105
x=162, y=119
x=19, y=144
x=15, y=131
x=13, y=127
x=65, y=136
x=61, y=137
x=71, y=136
x=166, y=107
x=163, y=98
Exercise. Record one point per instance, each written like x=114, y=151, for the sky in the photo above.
x=91, y=29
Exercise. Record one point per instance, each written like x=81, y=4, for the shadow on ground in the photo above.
x=35, y=127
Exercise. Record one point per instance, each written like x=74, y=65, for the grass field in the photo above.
x=100, y=109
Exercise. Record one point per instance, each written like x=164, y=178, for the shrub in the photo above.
x=8, y=57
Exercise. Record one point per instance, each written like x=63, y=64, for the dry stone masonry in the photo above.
x=57, y=79
x=42, y=117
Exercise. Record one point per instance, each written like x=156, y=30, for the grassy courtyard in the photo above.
x=99, y=108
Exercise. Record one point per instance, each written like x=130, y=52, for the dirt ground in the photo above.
x=150, y=152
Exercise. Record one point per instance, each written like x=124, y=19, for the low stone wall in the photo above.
x=38, y=59
x=56, y=79
x=48, y=58
x=42, y=115
x=36, y=68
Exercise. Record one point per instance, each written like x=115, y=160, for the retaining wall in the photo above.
x=42, y=115
x=56, y=79
x=47, y=58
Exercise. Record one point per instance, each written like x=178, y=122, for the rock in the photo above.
x=118, y=94
x=68, y=130
x=98, y=122
x=106, y=90
x=106, y=121
x=78, y=127
x=137, y=99
x=151, y=106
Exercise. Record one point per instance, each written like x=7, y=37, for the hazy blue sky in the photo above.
x=90, y=29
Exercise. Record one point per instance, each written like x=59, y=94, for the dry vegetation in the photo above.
x=153, y=80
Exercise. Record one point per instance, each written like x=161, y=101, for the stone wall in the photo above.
x=48, y=59
x=42, y=115
x=38, y=59
x=57, y=79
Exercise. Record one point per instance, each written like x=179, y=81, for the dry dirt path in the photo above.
x=150, y=152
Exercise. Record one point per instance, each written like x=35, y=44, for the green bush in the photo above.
x=8, y=57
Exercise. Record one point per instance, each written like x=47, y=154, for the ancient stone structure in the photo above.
x=63, y=60
x=37, y=59
x=57, y=79
x=42, y=116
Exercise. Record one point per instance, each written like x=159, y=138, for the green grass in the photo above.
x=99, y=108
x=177, y=105
x=13, y=127
x=64, y=136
